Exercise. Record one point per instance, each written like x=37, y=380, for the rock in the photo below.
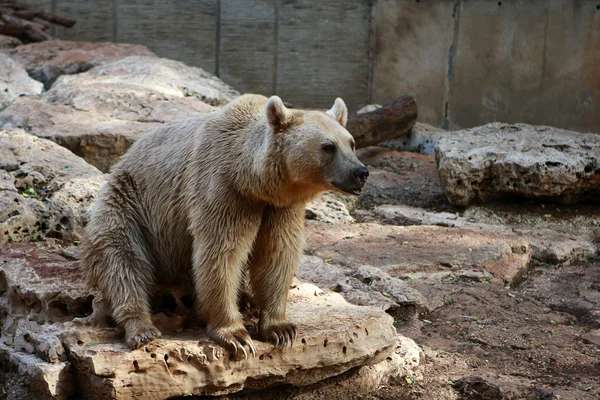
x=475, y=387
x=99, y=114
x=369, y=286
x=46, y=61
x=41, y=288
x=357, y=383
x=422, y=138
x=592, y=337
x=499, y=160
x=160, y=75
x=45, y=190
x=331, y=207
x=404, y=250
x=14, y=82
x=45, y=380
x=397, y=177
x=9, y=42
x=550, y=242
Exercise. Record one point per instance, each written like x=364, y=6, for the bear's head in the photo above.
x=319, y=151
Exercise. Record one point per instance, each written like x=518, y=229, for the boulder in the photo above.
x=48, y=316
x=45, y=190
x=99, y=114
x=9, y=42
x=331, y=207
x=500, y=160
x=14, y=82
x=160, y=75
x=407, y=251
x=46, y=61
x=367, y=286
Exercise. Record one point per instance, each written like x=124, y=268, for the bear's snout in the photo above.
x=361, y=174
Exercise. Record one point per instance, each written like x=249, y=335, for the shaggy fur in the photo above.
x=209, y=196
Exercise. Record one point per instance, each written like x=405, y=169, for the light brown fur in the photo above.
x=209, y=196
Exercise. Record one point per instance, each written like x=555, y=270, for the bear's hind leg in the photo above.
x=273, y=262
x=117, y=264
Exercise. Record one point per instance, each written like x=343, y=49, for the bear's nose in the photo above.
x=361, y=173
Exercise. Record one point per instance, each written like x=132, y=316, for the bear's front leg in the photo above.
x=223, y=238
x=273, y=262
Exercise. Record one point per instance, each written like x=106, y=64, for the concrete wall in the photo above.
x=474, y=61
x=467, y=62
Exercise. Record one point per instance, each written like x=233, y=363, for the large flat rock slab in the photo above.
x=45, y=190
x=553, y=240
x=48, y=317
x=46, y=61
x=403, y=251
x=500, y=160
x=99, y=114
x=14, y=82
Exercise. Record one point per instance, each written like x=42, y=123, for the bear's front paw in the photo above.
x=282, y=333
x=235, y=339
x=138, y=333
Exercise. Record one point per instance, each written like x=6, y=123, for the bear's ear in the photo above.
x=339, y=111
x=278, y=116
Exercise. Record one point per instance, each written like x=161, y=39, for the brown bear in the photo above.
x=210, y=197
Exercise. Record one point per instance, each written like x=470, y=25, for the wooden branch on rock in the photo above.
x=388, y=122
x=28, y=23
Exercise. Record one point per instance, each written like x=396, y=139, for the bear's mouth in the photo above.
x=356, y=192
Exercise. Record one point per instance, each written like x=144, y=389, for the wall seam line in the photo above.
x=450, y=67
x=218, y=39
x=275, y=88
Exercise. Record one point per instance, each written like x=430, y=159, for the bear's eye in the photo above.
x=329, y=148
x=353, y=146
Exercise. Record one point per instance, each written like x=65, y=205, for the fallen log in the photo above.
x=388, y=122
x=28, y=23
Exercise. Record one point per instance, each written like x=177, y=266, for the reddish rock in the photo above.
x=46, y=61
x=404, y=250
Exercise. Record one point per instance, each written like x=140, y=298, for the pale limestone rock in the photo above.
x=331, y=207
x=14, y=82
x=99, y=114
x=497, y=160
x=45, y=190
x=41, y=288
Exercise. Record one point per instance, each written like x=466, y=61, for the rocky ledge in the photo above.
x=499, y=160
x=58, y=334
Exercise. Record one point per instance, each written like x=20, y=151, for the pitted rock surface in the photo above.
x=46, y=61
x=99, y=114
x=45, y=190
x=14, y=82
x=498, y=160
x=331, y=207
x=49, y=318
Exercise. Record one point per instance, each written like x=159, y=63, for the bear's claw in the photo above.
x=235, y=340
x=140, y=334
x=280, y=334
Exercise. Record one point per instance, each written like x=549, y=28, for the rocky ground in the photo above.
x=502, y=298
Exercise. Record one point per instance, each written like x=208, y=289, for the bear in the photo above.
x=208, y=198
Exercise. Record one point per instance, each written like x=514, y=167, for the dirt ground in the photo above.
x=488, y=341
